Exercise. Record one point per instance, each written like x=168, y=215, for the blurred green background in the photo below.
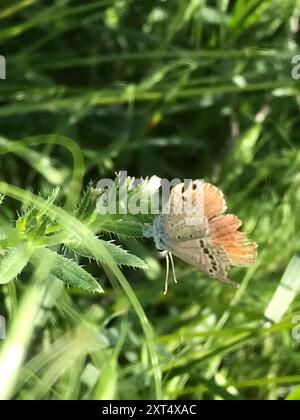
x=178, y=89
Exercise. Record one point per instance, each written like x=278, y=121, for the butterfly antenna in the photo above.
x=167, y=272
x=173, y=267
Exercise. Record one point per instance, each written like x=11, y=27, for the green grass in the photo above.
x=178, y=89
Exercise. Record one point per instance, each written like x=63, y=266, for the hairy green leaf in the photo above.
x=14, y=262
x=120, y=255
x=67, y=270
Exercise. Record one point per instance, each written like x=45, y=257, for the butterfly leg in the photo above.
x=173, y=267
x=165, y=254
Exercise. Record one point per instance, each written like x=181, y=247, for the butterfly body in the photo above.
x=210, y=240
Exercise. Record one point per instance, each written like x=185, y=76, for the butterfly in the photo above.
x=207, y=238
